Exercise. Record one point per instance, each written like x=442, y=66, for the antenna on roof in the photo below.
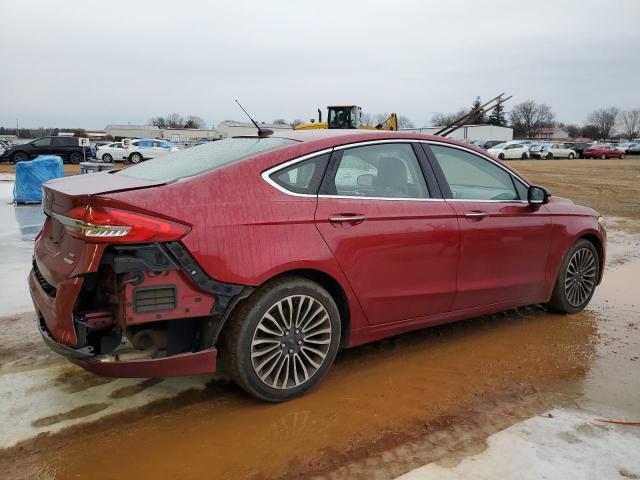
x=262, y=132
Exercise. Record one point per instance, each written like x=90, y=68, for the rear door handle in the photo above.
x=475, y=215
x=346, y=219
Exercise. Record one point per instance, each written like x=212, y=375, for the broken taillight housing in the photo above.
x=112, y=225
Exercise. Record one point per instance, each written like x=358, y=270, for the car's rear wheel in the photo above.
x=135, y=158
x=282, y=340
x=75, y=157
x=577, y=279
x=603, y=156
x=549, y=156
x=19, y=157
x=524, y=156
x=107, y=158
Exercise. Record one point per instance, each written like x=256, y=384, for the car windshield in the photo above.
x=203, y=158
x=499, y=146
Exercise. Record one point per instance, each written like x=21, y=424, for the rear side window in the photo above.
x=303, y=177
x=471, y=177
x=203, y=158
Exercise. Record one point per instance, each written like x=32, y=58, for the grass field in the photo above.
x=610, y=186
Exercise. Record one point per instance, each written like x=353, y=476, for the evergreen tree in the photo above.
x=497, y=117
x=479, y=119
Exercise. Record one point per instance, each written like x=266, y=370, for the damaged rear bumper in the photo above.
x=192, y=363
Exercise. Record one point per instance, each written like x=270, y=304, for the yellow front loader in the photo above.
x=347, y=116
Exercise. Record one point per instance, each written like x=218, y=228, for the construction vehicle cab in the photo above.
x=344, y=116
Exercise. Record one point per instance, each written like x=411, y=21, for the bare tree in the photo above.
x=604, y=120
x=630, y=123
x=405, y=122
x=280, y=121
x=366, y=118
x=194, y=122
x=158, y=121
x=296, y=122
x=174, y=120
x=442, y=119
x=528, y=117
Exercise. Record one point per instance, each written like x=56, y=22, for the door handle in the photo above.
x=475, y=215
x=346, y=219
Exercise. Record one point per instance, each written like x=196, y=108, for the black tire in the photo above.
x=524, y=156
x=19, y=157
x=238, y=346
x=549, y=156
x=571, y=156
x=107, y=158
x=561, y=300
x=501, y=156
x=75, y=158
x=135, y=157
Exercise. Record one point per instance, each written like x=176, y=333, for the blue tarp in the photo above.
x=31, y=175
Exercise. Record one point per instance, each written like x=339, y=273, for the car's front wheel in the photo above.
x=603, y=156
x=19, y=157
x=282, y=340
x=501, y=156
x=571, y=156
x=524, y=156
x=622, y=156
x=107, y=158
x=549, y=156
x=577, y=279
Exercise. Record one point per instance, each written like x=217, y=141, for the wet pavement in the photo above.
x=439, y=401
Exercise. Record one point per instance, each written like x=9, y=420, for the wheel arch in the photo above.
x=334, y=288
x=597, y=242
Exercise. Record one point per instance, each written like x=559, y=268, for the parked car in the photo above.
x=553, y=150
x=146, y=148
x=490, y=143
x=577, y=147
x=262, y=256
x=634, y=149
x=111, y=152
x=67, y=147
x=603, y=151
x=509, y=151
x=624, y=147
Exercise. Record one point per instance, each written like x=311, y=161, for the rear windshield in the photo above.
x=202, y=158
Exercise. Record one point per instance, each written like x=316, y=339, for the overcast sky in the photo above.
x=89, y=63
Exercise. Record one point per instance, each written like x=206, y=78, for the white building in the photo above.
x=472, y=132
x=229, y=128
x=186, y=135
x=118, y=132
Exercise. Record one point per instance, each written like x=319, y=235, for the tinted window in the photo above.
x=145, y=143
x=382, y=171
x=200, y=159
x=472, y=177
x=41, y=142
x=303, y=177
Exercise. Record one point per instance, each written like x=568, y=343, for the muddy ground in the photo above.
x=434, y=399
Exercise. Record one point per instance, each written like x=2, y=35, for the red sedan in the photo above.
x=603, y=152
x=269, y=254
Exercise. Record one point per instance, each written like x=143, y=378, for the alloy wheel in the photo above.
x=291, y=342
x=580, y=279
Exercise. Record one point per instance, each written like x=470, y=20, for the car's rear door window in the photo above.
x=203, y=158
x=471, y=177
x=389, y=170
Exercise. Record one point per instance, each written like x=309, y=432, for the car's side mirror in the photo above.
x=538, y=195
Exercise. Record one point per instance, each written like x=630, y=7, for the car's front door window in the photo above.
x=471, y=177
x=379, y=171
x=42, y=142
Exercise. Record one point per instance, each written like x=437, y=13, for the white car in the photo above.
x=110, y=153
x=510, y=150
x=146, y=148
x=557, y=150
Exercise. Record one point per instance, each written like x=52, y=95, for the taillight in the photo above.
x=111, y=225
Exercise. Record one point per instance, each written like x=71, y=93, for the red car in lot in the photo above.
x=265, y=255
x=603, y=152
